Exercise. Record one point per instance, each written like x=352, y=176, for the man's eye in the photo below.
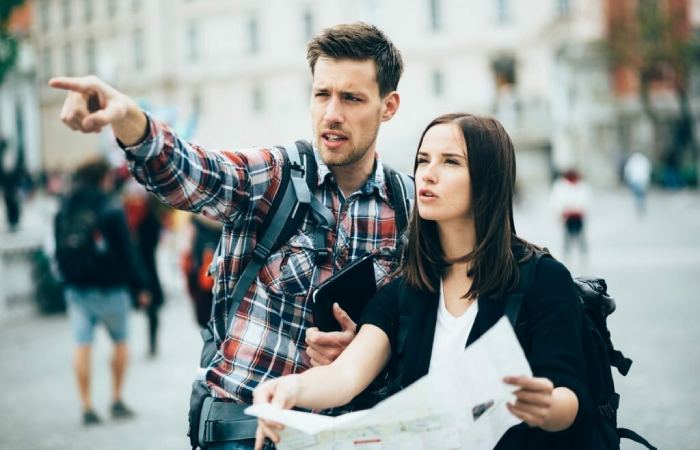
x=321, y=94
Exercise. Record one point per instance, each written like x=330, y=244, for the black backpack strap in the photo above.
x=527, y=278
x=321, y=215
x=401, y=195
x=288, y=208
x=625, y=433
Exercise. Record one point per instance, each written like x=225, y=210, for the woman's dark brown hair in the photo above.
x=493, y=262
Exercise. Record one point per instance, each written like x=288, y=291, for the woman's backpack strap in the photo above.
x=527, y=279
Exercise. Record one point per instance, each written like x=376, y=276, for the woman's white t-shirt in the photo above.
x=451, y=333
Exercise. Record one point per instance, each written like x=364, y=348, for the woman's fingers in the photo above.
x=531, y=415
x=533, y=398
x=259, y=438
x=268, y=432
x=531, y=383
x=272, y=425
x=264, y=392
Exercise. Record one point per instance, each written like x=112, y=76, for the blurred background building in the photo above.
x=578, y=83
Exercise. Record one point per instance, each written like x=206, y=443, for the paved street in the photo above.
x=652, y=267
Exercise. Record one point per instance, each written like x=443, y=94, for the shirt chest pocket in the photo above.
x=297, y=266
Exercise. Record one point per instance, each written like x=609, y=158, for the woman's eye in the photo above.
x=422, y=161
x=452, y=161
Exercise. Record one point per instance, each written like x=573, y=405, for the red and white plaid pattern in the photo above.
x=266, y=337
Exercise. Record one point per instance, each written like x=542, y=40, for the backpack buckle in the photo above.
x=297, y=167
x=321, y=253
x=260, y=252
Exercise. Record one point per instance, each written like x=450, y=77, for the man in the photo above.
x=356, y=70
x=99, y=266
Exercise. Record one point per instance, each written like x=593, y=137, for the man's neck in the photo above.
x=350, y=178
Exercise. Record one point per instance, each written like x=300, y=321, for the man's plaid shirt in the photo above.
x=266, y=337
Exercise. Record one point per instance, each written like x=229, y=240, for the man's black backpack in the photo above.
x=81, y=247
x=288, y=210
x=599, y=352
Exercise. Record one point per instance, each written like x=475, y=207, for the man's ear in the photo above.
x=390, y=104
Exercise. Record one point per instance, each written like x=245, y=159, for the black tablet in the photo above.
x=351, y=288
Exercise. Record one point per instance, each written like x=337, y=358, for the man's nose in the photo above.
x=334, y=111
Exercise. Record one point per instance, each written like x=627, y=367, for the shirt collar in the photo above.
x=375, y=183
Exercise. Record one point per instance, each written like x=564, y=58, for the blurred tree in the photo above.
x=8, y=43
x=653, y=49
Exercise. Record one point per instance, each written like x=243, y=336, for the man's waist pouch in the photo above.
x=221, y=421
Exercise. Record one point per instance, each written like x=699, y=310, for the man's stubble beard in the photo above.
x=356, y=152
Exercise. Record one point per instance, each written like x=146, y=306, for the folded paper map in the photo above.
x=460, y=404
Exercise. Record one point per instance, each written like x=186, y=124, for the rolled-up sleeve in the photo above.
x=221, y=184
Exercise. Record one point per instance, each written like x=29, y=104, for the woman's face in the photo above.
x=443, y=185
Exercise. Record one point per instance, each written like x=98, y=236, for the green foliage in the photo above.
x=8, y=53
x=6, y=7
x=8, y=43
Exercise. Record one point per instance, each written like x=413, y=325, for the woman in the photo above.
x=462, y=262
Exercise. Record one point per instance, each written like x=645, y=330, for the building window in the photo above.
x=563, y=8
x=253, y=35
x=139, y=56
x=438, y=83
x=504, y=72
x=435, y=15
x=68, y=59
x=192, y=45
x=66, y=13
x=308, y=23
x=44, y=18
x=503, y=11
x=88, y=10
x=111, y=8
x=258, y=99
x=91, y=56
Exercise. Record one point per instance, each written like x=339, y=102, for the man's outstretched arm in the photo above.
x=92, y=104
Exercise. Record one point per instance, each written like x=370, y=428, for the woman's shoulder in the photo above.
x=552, y=281
x=548, y=267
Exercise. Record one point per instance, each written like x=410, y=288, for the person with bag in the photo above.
x=195, y=265
x=262, y=324
x=100, y=267
x=145, y=223
x=461, y=265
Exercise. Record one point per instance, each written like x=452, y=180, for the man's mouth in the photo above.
x=334, y=137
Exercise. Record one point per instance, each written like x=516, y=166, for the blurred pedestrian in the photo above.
x=99, y=265
x=571, y=197
x=10, y=183
x=145, y=225
x=637, y=176
x=195, y=265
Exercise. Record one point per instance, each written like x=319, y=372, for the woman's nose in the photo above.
x=428, y=174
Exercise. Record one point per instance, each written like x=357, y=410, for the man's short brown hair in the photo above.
x=359, y=41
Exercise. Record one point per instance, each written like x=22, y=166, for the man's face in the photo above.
x=346, y=110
